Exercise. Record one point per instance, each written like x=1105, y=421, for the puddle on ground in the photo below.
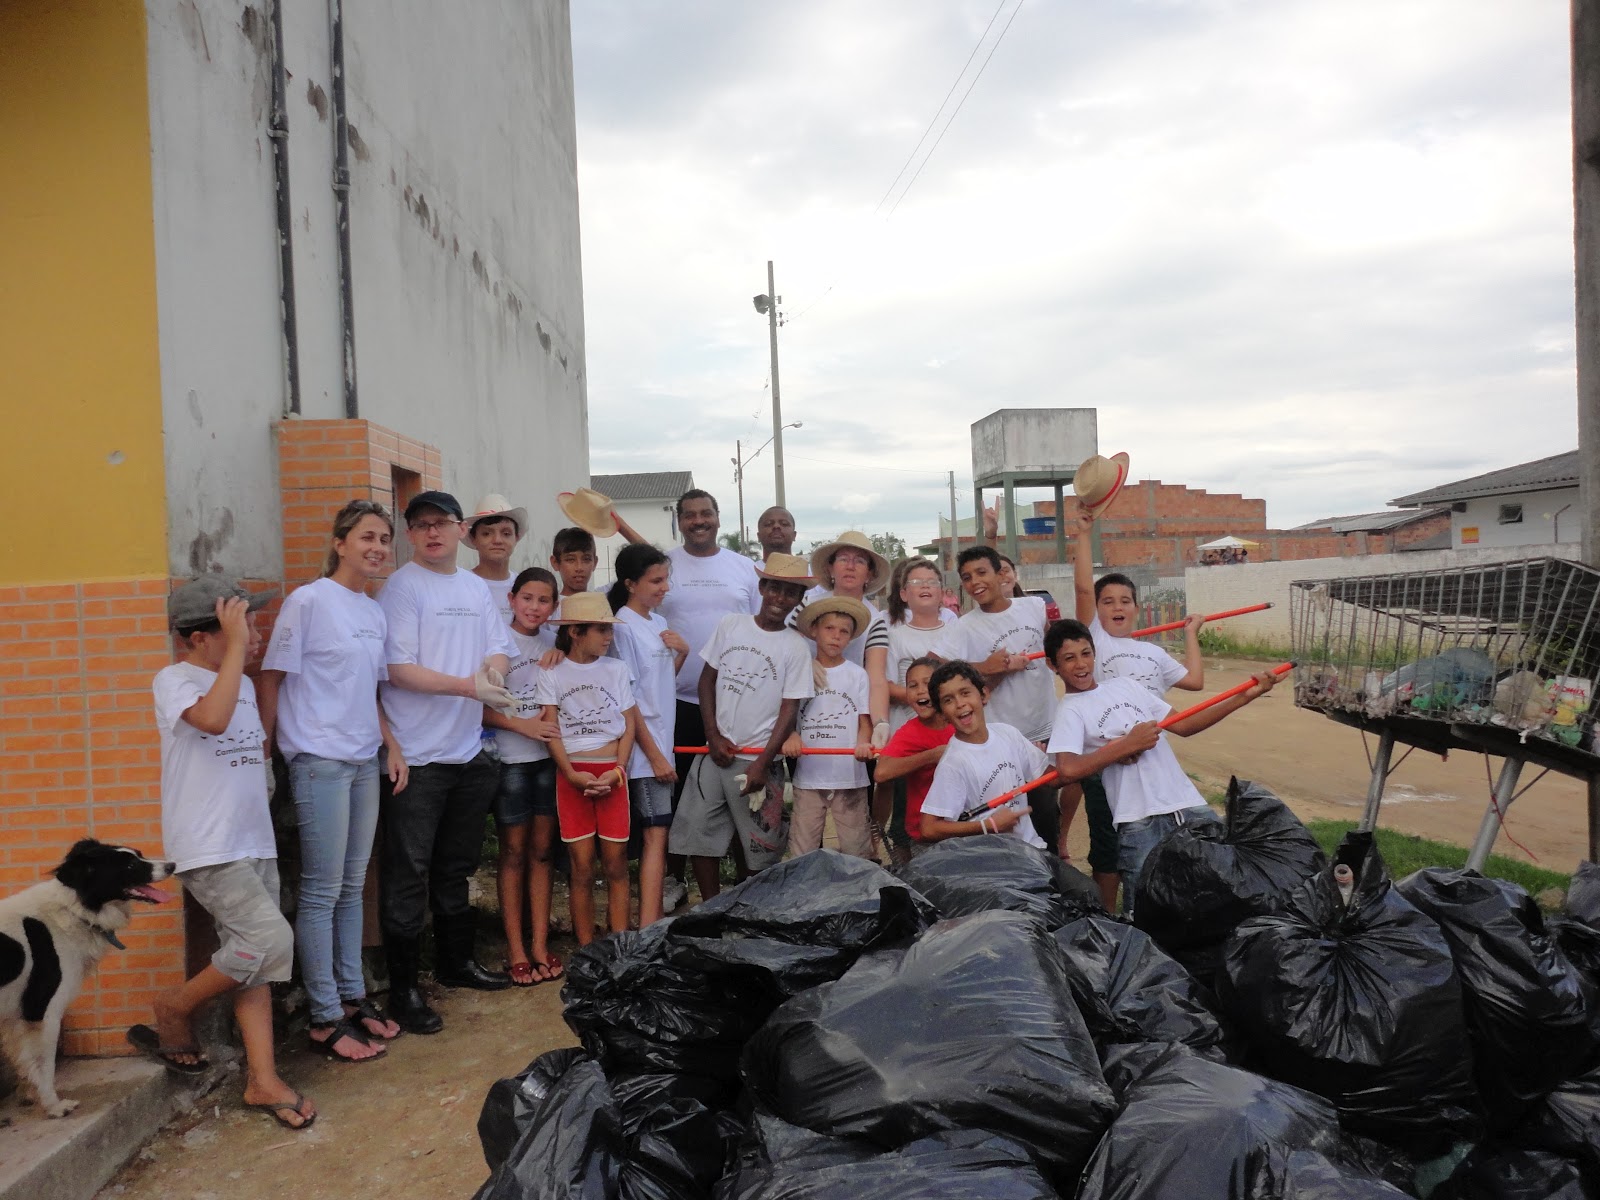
x=1404, y=793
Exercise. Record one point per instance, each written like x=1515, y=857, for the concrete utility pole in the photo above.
x=952, y=524
x=1586, y=225
x=769, y=304
x=738, y=475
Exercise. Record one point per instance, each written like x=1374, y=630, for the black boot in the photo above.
x=458, y=964
x=407, y=1006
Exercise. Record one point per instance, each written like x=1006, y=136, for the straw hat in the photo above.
x=496, y=505
x=588, y=509
x=850, y=539
x=586, y=608
x=1098, y=480
x=786, y=568
x=817, y=609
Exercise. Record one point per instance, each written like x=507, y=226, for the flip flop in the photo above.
x=343, y=1028
x=551, y=969
x=366, y=1010
x=522, y=974
x=276, y=1109
x=148, y=1042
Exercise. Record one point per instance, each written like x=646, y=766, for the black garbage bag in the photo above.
x=509, y=1107
x=1501, y=1174
x=800, y=923
x=1567, y=1122
x=679, y=1134
x=1577, y=930
x=965, y=1164
x=1528, y=1009
x=1193, y=1127
x=1128, y=990
x=573, y=1146
x=1358, y=1002
x=962, y=876
x=637, y=1010
x=973, y=1027
x=1202, y=880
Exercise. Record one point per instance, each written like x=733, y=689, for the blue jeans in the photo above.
x=336, y=804
x=1136, y=839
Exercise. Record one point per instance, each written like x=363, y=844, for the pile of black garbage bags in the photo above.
x=1271, y=1025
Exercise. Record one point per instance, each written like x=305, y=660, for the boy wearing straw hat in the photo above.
x=494, y=529
x=836, y=718
x=757, y=671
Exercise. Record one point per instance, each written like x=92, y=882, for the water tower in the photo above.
x=1030, y=447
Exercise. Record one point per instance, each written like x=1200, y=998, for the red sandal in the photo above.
x=522, y=974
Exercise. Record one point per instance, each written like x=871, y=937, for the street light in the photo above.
x=739, y=464
x=767, y=306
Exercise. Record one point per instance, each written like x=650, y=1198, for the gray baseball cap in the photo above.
x=195, y=603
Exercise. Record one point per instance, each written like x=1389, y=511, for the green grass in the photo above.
x=1404, y=853
x=1220, y=645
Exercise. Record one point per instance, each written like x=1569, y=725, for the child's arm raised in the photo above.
x=213, y=712
x=1083, y=565
x=1193, y=661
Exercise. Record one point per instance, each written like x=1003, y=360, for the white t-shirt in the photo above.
x=832, y=719
x=756, y=672
x=500, y=591
x=522, y=681
x=590, y=700
x=447, y=623
x=213, y=787
x=907, y=643
x=1129, y=658
x=874, y=636
x=637, y=642
x=1147, y=787
x=704, y=590
x=972, y=772
x=328, y=641
x=1026, y=698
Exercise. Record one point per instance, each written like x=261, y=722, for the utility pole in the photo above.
x=738, y=476
x=777, y=410
x=952, y=523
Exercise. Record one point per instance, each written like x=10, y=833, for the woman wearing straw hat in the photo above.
x=849, y=567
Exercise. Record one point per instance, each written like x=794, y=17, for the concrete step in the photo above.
x=123, y=1102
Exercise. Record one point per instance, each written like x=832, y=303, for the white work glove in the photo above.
x=880, y=735
x=491, y=688
x=819, y=675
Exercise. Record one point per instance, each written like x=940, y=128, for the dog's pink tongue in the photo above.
x=153, y=895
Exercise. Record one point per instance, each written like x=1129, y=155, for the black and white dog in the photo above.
x=51, y=937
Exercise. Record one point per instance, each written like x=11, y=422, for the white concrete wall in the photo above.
x=1033, y=439
x=652, y=519
x=1538, y=526
x=466, y=267
x=1214, y=589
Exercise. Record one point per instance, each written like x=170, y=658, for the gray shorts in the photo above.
x=242, y=898
x=711, y=811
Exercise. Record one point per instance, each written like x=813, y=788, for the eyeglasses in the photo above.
x=922, y=585
x=431, y=526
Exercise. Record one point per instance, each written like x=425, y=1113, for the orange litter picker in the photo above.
x=1166, y=722
x=1152, y=630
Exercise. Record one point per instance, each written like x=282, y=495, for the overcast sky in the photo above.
x=1315, y=252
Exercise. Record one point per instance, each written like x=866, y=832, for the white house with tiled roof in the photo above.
x=648, y=501
x=1532, y=504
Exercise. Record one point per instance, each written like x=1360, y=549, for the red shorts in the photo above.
x=582, y=817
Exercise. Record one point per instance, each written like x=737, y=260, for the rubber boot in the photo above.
x=407, y=1006
x=458, y=965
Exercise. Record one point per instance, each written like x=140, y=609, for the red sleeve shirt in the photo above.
x=911, y=739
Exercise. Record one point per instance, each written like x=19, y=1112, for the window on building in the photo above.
x=1511, y=514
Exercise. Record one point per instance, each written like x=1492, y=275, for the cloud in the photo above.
x=856, y=503
x=1315, y=253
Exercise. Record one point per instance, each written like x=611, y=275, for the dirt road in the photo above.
x=1318, y=767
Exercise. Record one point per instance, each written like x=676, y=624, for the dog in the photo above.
x=51, y=936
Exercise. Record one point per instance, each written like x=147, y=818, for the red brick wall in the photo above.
x=79, y=757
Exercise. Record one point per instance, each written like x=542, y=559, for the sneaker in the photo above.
x=673, y=893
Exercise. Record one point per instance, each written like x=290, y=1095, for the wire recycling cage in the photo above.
x=1513, y=645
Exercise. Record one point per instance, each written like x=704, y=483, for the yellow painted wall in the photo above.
x=81, y=451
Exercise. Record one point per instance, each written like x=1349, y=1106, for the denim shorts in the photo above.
x=527, y=789
x=1136, y=839
x=652, y=802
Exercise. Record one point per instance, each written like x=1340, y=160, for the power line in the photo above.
x=955, y=83
x=863, y=466
x=959, y=103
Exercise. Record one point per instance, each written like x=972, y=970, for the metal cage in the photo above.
x=1512, y=645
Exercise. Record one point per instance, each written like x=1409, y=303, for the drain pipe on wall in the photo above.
x=341, y=197
x=278, y=135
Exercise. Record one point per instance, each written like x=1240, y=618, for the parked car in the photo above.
x=1052, y=610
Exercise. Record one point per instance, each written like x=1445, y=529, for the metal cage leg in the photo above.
x=1380, y=776
x=1505, y=789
